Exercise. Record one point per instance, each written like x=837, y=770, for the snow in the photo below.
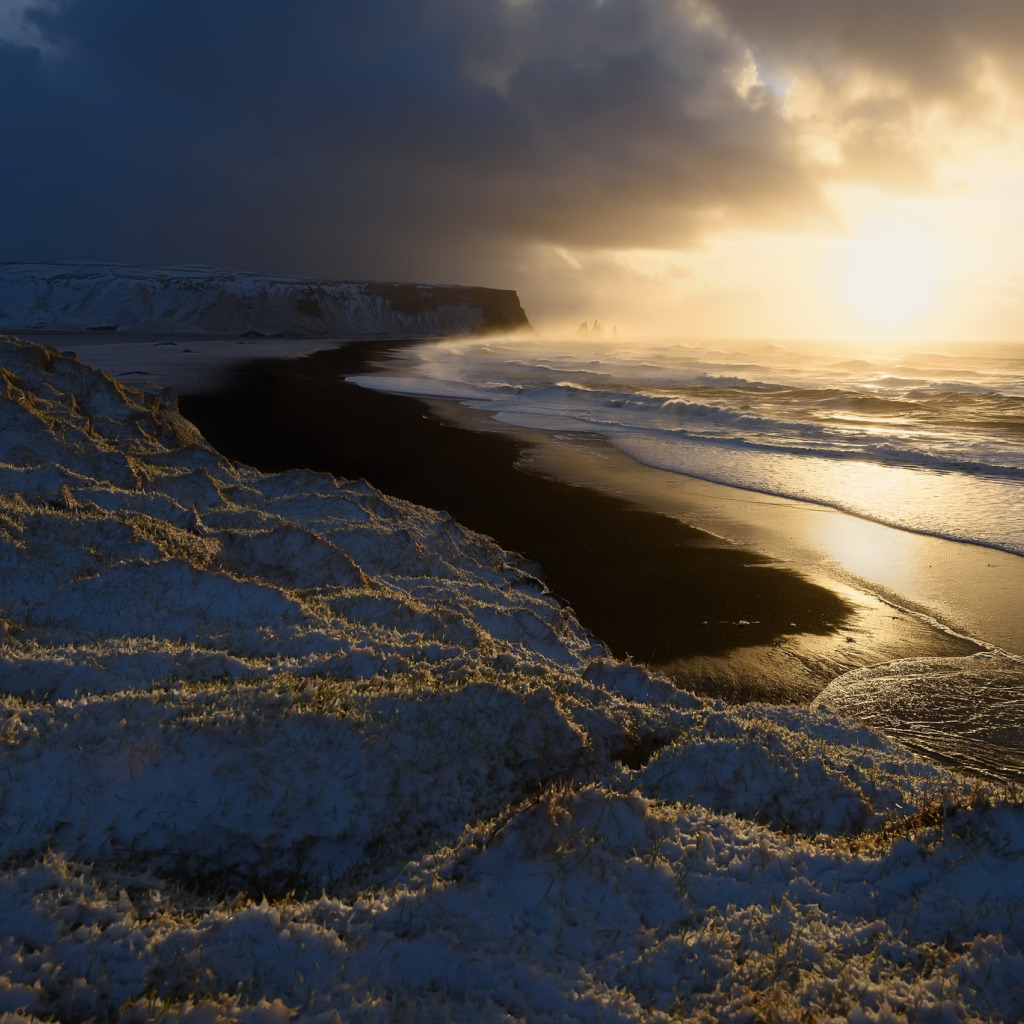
x=280, y=746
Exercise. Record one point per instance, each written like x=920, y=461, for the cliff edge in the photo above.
x=211, y=300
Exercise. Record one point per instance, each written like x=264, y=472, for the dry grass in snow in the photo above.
x=281, y=747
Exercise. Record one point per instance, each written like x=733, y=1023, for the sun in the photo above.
x=891, y=274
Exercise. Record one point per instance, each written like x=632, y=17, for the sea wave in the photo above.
x=940, y=503
x=930, y=441
x=821, y=433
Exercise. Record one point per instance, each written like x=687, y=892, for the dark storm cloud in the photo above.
x=387, y=137
x=411, y=138
x=933, y=46
x=922, y=55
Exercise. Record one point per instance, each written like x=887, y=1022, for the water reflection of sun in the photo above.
x=866, y=549
x=891, y=273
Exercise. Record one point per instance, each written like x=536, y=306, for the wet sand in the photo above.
x=969, y=589
x=722, y=619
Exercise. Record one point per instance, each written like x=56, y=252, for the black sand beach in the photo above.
x=719, y=618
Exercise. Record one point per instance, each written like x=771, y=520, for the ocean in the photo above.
x=925, y=438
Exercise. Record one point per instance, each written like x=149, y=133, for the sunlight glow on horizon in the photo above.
x=940, y=259
x=890, y=274
x=944, y=268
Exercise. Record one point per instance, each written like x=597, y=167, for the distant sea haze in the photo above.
x=929, y=439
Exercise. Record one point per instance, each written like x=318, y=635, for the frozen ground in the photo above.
x=281, y=746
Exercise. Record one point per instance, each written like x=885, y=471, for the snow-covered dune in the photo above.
x=203, y=300
x=280, y=746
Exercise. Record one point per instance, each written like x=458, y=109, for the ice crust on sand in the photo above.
x=967, y=711
x=279, y=746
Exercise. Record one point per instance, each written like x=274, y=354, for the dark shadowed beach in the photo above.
x=719, y=618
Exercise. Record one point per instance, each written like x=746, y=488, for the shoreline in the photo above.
x=637, y=574
x=970, y=590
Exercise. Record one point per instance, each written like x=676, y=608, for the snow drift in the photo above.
x=280, y=746
x=204, y=300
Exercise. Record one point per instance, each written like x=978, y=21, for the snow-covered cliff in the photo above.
x=279, y=747
x=203, y=300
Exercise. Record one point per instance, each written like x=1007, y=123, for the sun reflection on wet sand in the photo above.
x=876, y=554
x=972, y=590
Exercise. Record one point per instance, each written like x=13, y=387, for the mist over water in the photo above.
x=925, y=438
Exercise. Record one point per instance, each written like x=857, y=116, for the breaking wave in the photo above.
x=928, y=441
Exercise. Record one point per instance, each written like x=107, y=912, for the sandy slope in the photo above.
x=281, y=745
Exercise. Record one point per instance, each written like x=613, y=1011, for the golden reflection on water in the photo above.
x=889, y=556
x=866, y=550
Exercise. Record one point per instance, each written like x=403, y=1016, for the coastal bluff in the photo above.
x=199, y=299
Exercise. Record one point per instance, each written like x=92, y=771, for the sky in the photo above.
x=713, y=168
